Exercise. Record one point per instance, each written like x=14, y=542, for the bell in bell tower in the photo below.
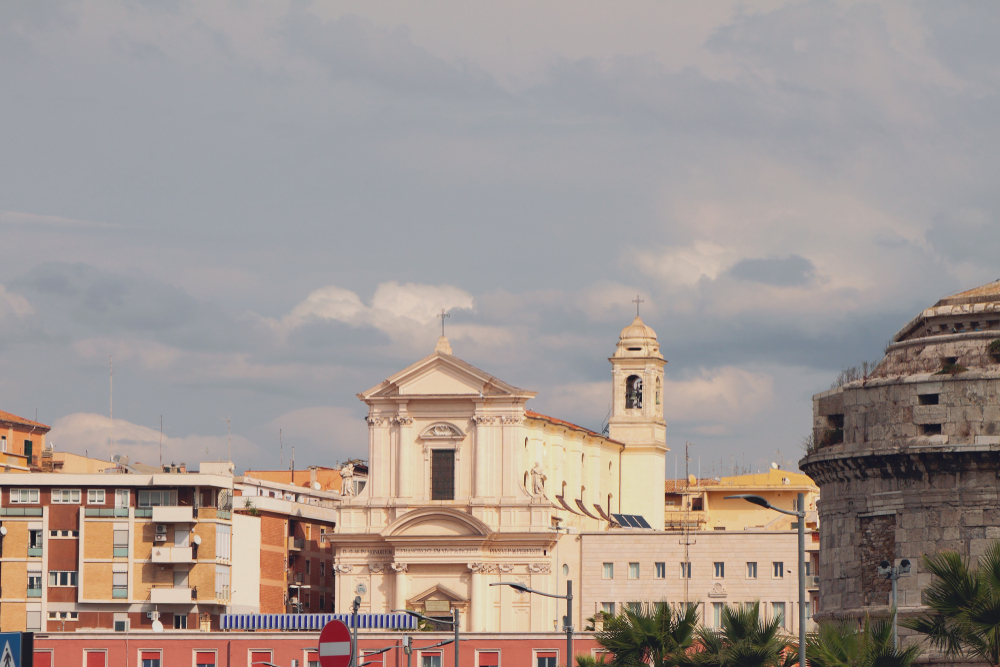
x=637, y=420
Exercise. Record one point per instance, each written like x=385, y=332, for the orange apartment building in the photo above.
x=296, y=557
x=21, y=437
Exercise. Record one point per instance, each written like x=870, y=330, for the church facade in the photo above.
x=468, y=487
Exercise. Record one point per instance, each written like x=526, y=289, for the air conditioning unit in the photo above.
x=161, y=538
x=161, y=529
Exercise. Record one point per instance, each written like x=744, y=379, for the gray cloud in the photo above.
x=792, y=271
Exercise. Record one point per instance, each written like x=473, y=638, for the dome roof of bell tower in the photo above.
x=638, y=340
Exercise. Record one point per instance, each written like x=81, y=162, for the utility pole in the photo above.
x=161, y=443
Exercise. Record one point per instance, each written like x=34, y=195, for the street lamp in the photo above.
x=453, y=622
x=568, y=620
x=801, y=514
x=886, y=569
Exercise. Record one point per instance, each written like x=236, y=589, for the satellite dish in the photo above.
x=774, y=465
x=196, y=539
x=157, y=626
x=316, y=486
x=3, y=530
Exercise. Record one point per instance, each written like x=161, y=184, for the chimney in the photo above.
x=312, y=477
x=183, y=467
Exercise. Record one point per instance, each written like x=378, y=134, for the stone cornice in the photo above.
x=905, y=462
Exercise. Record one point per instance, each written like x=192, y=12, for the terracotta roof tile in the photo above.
x=14, y=419
x=559, y=422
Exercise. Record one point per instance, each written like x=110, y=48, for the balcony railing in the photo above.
x=177, y=514
x=171, y=554
x=34, y=552
x=106, y=512
x=143, y=512
x=20, y=511
x=296, y=543
x=34, y=592
x=171, y=595
x=120, y=552
x=119, y=593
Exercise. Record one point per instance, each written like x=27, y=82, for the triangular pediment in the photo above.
x=442, y=374
x=439, y=592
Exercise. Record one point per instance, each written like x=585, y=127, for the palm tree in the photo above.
x=649, y=634
x=965, y=605
x=846, y=644
x=745, y=640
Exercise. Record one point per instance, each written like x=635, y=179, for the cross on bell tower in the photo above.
x=443, y=345
x=443, y=314
x=637, y=300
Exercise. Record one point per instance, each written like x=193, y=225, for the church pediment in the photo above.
x=438, y=592
x=436, y=522
x=443, y=375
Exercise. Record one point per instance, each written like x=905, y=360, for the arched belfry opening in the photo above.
x=633, y=393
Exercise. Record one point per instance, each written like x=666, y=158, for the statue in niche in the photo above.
x=538, y=480
x=347, y=480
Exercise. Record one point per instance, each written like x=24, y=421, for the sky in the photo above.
x=257, y=208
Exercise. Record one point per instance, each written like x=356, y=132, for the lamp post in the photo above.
x=454, y=622
x=355, y=605
x=568, y=620
x=887, y=570
x=801, y=514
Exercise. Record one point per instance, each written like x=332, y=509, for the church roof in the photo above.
x=14, y=419
x=573, y=427
x=492, y=385
x=638, y=329
x=987, y=292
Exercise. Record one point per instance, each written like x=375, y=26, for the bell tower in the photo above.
x=637, y=421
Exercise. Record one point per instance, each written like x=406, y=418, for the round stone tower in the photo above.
x=907, y=458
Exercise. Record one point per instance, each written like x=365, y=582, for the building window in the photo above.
x=204, y=658
x=3, y=443
x=608, y=608
x=751, y=570
x=634, y=607
x=609, y=571
x=633, y=570
x=778, y=610
x=312, y=660
x=322, y=568
x=29, y=447
x=63, y=616
x=661, y=570
x=157, y=498
x=322, y=602
x=34, y=539
x=62, y=578
x=222, y=582
x=442, y=474
x=633, y=392
x=685, y=570
x=308, y=565
x=717, y=614
x=434, y=660
x=121, y=626
x=150, y=659
x=223, y=541
x=119, y=585
x=24, y=496
x=34, y=584
x=95, y=496
x=120, y=544
x=720, y=570
x=546, y=659
x=66, y=496
x=180, y=621
x=808, y=611
x=779, y=570
x=121, y=497
x=808, y=565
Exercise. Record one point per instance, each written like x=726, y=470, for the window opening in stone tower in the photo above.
x=929, y=399
x=442, y=474
x=633, y=392
x=930, y=429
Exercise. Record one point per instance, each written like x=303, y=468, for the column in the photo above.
x=477, y=610
x=404, y=446
x=479, y=459
x=399, y=585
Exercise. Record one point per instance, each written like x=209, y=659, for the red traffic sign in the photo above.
x=335, y=645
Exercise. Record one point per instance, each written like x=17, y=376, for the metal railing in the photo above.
x=34, y=552
x=20, y=511
x=106, y=512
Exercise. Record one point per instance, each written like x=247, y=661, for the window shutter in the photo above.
x=94, y=659
x=203, y=658
x=150, y=655
x=489, y=659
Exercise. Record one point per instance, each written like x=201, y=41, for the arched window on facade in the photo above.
x=633, y=392
x=659, y=390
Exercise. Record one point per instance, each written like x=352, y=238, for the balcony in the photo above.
x=119, y=593
x=171, y=554
x=20, y=511
x=170, y=595
x=120, y=512
x=296, y=543
x=34, y=592
x=34, y=552
x=164, y=514
x=812, y=581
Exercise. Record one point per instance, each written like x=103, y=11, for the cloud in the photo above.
x=13, y=305
x=321, y=434
x=966, y=235
x=792, y=271
x=89, y=433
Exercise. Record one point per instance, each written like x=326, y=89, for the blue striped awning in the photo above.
x=315, y=621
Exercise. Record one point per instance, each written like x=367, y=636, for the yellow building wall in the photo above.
x=13, y=617
x=98, y=539
x=202, y=577
x=143, y=547
x=150, y=575
x=206, y=531
x=97, y=581
x=14, y=578
x=15, y=543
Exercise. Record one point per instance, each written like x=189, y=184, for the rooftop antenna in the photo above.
x=111, y=399
x=161, y=442
x=637, y=300
x=281, y=452
x=229, y=437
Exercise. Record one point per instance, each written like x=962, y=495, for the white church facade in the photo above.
x=468, y=487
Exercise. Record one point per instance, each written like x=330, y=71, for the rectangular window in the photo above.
x=661, y=570
x=150, y=659
x=157, y=498
x=58, y=578
x=685, y=570
x=432, y=660
x=608, y=608
x=609, y=571
x=223, y=541
x=180, y=621
x=120, y=543
x=95, y=496
x=779, y=570
x=634, y=607
x=29, y=448
x=489, y=659
x=119, y=584
x=222, y=582
x=24, y=496
x=808, y=611
x=633, y=570
x=308, y=565
x=322, y=568
x=442, y=474
x=121, y=498
x=751, y=570
x=34, y=539
x=778, y=609
x=808, y=568
x=66, y=496
x=720, y=570
x=34, y=582
x=717, y=614
x=545, y=659
x=3, y=443
x=203, y=658
x=121, y=626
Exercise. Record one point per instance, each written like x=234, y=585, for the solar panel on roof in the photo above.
x=622, y=521
x=641, y=521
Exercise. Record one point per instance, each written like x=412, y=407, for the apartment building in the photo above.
x=296, y=561
x=22, y=437
x=113, y=551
